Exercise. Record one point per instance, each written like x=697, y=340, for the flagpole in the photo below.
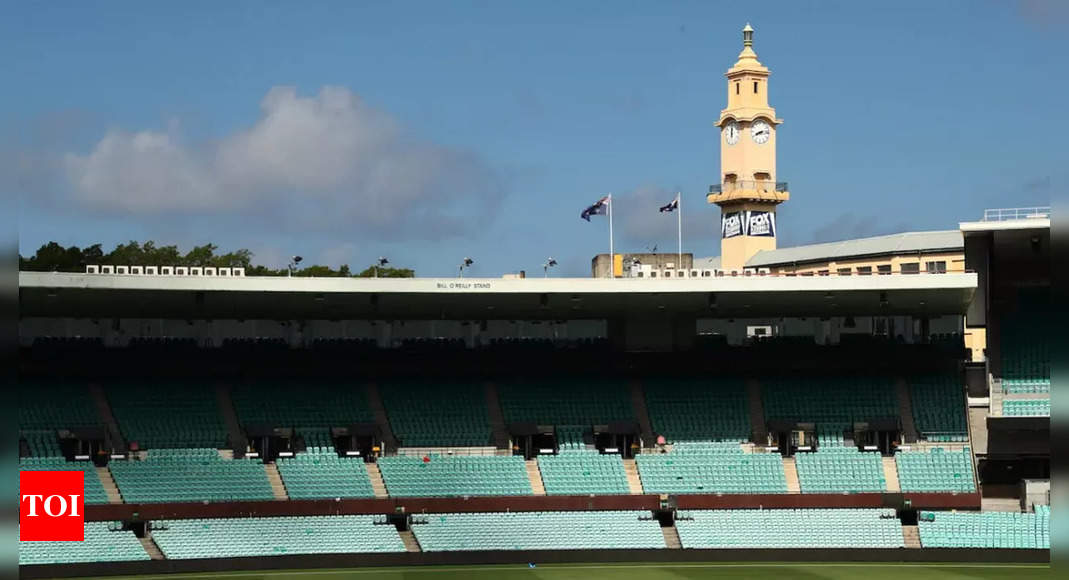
x=612, y=257
x=679, y=227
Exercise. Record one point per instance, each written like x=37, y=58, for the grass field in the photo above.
x=636, y=571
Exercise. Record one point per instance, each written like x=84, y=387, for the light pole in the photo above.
x=293, y=264
x=545, y=267
x=381, y=263
x=465, y=264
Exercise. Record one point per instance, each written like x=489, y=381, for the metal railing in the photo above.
x=1016, y=213
x=760, y=186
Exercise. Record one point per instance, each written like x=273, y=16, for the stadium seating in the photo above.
x=452, y=476
x=1026, y=407
x=790, y=528
x=538, y=531
x=698, y=410
x=839, y=400
x=840, y=470
x=94, y=490
x=564, y=401
x=574, y=472
x=159, y=415
x=245, y=537
x=320, y=473
x=935, y=471
x=104, y=542
x=711, y=469
x=1025, y=351
x=45, y=407
x=437, y=413
x=939, y=407
x=311, y=407
x=187, y=475
x=985, y=529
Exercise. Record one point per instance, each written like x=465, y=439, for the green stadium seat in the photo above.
x=160, y=415
x=935, y=471
x=454, y=476
x=275, y=536
x=104, y=542
x=698, y=409
x=310, y=407
x=319, y=473
x=190, y=475
x=578, y=530
x=711, y=468
x=437, y=413
x=789, y=529
x=985, y=529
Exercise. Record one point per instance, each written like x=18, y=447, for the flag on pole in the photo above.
x=670, y=206
x=600, y=207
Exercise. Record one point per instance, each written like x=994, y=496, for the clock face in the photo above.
x=731, y=133
x=760, y=131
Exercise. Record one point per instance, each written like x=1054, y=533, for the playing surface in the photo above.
x=636, y=571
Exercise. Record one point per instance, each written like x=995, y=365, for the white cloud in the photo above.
x=325, y=161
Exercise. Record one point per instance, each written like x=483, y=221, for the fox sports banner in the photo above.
x=761, y=224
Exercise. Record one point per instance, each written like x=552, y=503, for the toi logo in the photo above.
x=51, y=506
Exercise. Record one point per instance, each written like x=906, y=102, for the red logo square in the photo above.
x=51, y=506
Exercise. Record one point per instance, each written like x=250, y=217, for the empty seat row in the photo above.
x=840, y=470
x=104, y=542
x=538, y=531
x=837, y=399
x=275, y=536
x=437, y=413
x=1026, y=407
x=936, y=471
x=698, y=409
x=92, y=488
x=184, y=475
x=939, y=407
x=573, y=472
x=715, y=472
x=454, y=476
x=985, y=529
x=156, y=414
x=790, y=528
x=319, y=473
x=565, y=401
x=311, y=407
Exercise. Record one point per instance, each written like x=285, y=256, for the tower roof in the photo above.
x=747, y=58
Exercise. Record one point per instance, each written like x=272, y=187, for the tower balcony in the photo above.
x=761, y=191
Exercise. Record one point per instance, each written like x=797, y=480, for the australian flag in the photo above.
x=600, y=207
x=670, y=206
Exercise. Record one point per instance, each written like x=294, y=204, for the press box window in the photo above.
x=884, y=269
x=864, y=270
x=939, y=267
x=844, y=271
x=911, y=268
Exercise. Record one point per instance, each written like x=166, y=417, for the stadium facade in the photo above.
x=798, y=413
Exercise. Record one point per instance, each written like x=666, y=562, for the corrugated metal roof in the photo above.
x=903, y=243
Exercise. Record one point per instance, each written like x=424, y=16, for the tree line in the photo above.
x=53, y=257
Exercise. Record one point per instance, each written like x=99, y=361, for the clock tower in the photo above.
x=748, y=192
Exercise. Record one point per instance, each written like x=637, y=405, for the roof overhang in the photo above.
x=44, y=294
x=1006, y=225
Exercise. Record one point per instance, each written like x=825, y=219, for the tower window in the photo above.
x=736, y=88
x=755, y=87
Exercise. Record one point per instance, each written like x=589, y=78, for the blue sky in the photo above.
x=430, y=131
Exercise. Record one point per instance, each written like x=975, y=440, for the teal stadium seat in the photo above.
x=939, y=407
x=310, y=406
x=832, y=400
x=698, y=409
x=936, y=471
x=580, y=472
x=190, y=475
x=598, y=530
x=454, y=476
x=561, y=401
x=319, y=473
x=1026, y=407
x=104, y=542
x=789, y=529
x=834, y=469
x=94, y=490
x=985, y=529
x=276, y=536
x=161, y=415
x=47, y=406
x=437, y=413
x=711, y=468
x=1025, y=347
